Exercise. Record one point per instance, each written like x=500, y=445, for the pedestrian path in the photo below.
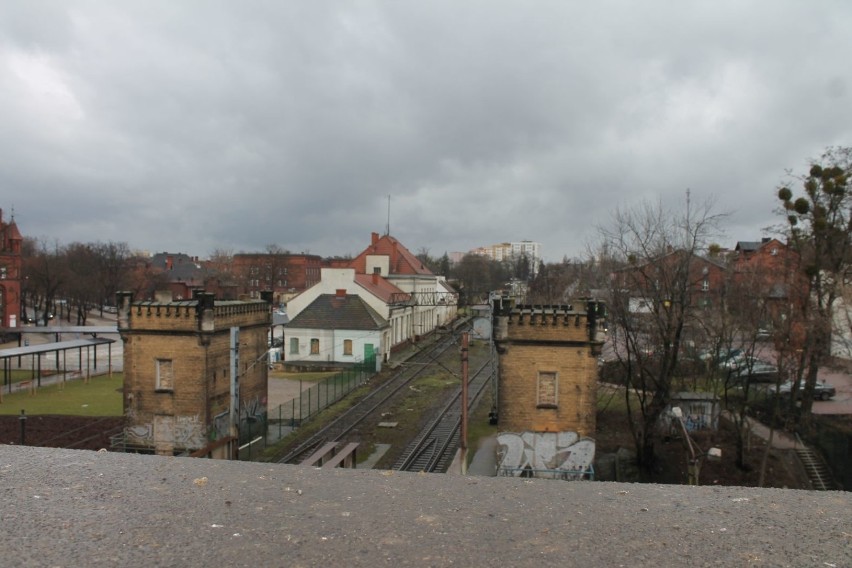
x=817, y=471
x=780, y=439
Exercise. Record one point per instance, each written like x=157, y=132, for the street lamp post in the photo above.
x=696, y=454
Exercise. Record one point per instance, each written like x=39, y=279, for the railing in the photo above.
x=565, y=474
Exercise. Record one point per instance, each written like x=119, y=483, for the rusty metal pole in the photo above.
x=463, y=435
x=23, y=420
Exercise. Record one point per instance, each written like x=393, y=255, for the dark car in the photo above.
x=756, y=370
x=822, y=390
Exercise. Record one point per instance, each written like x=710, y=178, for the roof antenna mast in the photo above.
x=387, y=228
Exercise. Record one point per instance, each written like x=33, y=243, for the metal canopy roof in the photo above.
x=90, y=329
x=51, y=347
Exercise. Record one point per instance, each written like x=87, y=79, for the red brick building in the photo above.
x=10, y=273
x=770, y=271
x=659, y=279
x=285, y=274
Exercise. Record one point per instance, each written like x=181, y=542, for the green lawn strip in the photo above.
x=21, y=375
x=479, y=426
x=101, y=396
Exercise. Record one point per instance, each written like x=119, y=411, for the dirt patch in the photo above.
x=783, y=469
x=76, y=432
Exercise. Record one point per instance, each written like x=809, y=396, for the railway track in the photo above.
x=373, y=402
x=434, y=449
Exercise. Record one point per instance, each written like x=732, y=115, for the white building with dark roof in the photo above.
x=337, y=328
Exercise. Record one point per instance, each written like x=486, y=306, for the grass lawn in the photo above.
x=20, y=375
x=101, y=396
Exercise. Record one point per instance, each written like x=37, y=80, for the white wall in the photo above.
x=331, y=343
x=841, y=330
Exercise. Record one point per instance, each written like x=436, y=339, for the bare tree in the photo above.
x=651, y=303
x=82, y=288
x=45, y=273
x=112, y=269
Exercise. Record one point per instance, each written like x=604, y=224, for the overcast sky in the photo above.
x=194, y=126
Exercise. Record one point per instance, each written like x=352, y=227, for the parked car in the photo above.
x=822, y=390
x=731, y=360
x=756, y=370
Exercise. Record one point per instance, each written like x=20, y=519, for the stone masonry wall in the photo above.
x=193, y=410
x=576, y=370
x=556, y=343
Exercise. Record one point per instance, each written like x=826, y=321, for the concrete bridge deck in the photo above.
x=78, y=508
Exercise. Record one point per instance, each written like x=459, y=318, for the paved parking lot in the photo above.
x=45, y=335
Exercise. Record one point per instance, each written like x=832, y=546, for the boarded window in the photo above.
x=314, y=346
x=347, y=347
x=294, y=345
x=165, y=375
x=548, y=390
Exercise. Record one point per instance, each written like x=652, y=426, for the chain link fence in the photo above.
x=285, y=418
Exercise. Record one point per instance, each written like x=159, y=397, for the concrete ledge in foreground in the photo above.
x=78, y=508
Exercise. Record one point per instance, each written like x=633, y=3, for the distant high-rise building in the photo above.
x=513, y=251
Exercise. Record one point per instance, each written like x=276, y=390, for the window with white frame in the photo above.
x=314, y=346
x=294, y=345
x=347, y=347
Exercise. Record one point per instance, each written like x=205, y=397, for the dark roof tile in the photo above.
x=330, y=311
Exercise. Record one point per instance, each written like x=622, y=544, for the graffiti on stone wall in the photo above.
x=697, y=415
x=141, y=433
x=188, y=432
x=253, y=410
x=220, y=427
x=553, y=455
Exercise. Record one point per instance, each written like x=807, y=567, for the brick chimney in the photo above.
x=376, y=272
x=374, y=238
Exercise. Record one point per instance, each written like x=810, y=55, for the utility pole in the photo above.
x=463, y=434
x=235, y=394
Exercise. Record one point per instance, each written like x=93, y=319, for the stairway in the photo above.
x=816, y=469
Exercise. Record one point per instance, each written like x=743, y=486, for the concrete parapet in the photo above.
x=79, y=508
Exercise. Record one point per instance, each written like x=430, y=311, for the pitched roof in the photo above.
x=382, y=289
x=330, y=311
x=402, y=260
x=672, y=254
x=753, y=246
x=747, y=246
x=179, y=267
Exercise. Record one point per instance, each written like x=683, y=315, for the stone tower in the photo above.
x=548, y=367
x=177, y=373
